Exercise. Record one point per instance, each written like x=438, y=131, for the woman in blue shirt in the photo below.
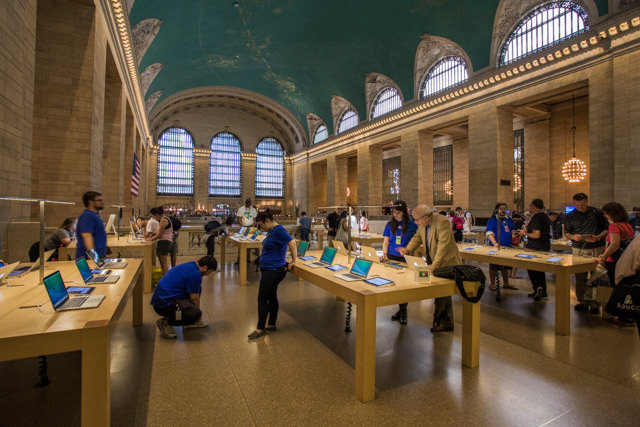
x=397, y=233
x=273, y=268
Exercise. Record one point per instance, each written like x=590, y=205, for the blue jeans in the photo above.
x=304, y=234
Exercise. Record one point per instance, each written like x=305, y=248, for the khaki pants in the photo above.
x=581, y=278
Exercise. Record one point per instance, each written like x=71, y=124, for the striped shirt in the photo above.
x=590, y=222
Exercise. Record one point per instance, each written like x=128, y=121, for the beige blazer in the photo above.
x=442, y=246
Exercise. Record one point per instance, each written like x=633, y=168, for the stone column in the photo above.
x=341, y=180
x=332, y=181
x=537, y=171
x=370, y=177
x=112, y=161
x=461, y=172
x=416, y=170
x=601, y=174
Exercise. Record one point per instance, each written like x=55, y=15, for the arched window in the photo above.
x=269, y=169
x=446, y=73
x=225, y=172
x=348, y=120
x=547, y=25
x=386, y=101
x=320, y=134
x=175, y=162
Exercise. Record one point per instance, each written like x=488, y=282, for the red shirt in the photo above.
x=623, y=228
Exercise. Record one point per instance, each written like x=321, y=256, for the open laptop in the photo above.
x=415, y=261
x=89, y=278
x=241, y=231
x=359, y=271
x=59, y=296
x=5, y=271
x=326, y=259
x=110, y=223
x=105, y=263
x=32, y=267
x=369, y=254
x=339, y=246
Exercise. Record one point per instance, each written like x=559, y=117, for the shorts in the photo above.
x=165, y=247
x=496, y=267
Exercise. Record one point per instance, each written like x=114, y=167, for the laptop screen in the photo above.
x=328, y=255
x=56, y=290
x=246, y=231
x=84, y=269
x=302, y=248
x=241, y=231
x=361, y=267
x=95, y=257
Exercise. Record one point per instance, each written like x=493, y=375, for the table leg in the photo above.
x=242, y=268
x=470, y=334
x=320, y=241
x=563, y=304
x=96, y=378
x=147, y=265
x=137, y=298
x=223, y=244
x=366, y=350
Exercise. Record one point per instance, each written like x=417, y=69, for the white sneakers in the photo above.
x=199, y=324
x=166, y=330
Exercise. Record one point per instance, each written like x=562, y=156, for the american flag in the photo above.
x=135, y=176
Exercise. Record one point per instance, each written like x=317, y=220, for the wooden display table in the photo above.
x=125, y=247
x=562, y=269
x=322, y=234
x=368, y=298
x=31, y=332
x=242, y=246
x=561, y=245
x=367, y=239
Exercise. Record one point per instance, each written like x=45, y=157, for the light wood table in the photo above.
x=561, y=245
x=367, y=239
x=562, y=269
x=242, y=246
x=31, y=332
x=125, y=247
x=368, y=298
x=322, y=234
x=474, y=235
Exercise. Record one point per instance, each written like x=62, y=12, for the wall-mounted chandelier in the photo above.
x=517, y=183
x=574, y=169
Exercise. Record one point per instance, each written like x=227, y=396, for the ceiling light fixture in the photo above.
x=574, y=169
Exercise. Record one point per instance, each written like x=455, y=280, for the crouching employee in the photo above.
x=177, y=296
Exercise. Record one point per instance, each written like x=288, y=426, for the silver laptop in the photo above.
x=359, y=271
x=22, y=270
x=415, y=261
x=106, y=263
x=90, y=278
x=369, y=254
x=325, y=260
x=60, y=297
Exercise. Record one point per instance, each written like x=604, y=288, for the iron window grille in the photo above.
x=547, y=25
x=518, y=169
x=387, y=101
x=175, y=162
x=446, y=73
x=320, y=134
x=443, y=175
x=225, y=166
x=270, y=169
x=348, y=120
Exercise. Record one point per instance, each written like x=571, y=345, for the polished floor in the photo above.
x=303, y=374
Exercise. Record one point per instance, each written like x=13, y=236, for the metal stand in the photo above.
x=347, y=322
x=42, y=371
x=497, y=291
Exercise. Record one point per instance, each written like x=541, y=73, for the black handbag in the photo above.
x=625, y=300
x=461, y=273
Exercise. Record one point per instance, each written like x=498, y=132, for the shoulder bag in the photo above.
x=625, y=299
x=461, y=273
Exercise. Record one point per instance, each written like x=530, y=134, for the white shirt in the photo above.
x=246, y=216
x=153, y=226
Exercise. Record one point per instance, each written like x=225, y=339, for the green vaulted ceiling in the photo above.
x=301, y=52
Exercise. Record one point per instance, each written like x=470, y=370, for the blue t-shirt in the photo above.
x=506, y=227
x=404, y=238
x=305, y=222
x=274, y=248
x=90, y=222
x=178, y=283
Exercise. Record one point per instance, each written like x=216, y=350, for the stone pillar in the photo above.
x=98, y=103
x=248, y=177
x=341, y=180
x=112, y=137
x=537, y=171
x=601, y=175
x=370, y=177
x=318, y=186
x=461, y=173
x=332, y=181
x=416, y=170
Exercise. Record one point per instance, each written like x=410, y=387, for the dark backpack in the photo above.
x=461, y=273
x=175, y=223
x=211, y=225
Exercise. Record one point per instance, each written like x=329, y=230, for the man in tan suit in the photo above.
x=440, y=251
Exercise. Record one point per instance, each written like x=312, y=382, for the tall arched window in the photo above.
x=446, y=73
x=175, y=162
x=547, y=25
x=225, y=171
x=386, y=101
x=320, y=134
x=348, y=120
x=269, y=169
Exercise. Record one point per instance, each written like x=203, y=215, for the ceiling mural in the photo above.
x=301, y=53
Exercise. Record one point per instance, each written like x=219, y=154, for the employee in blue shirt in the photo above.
x=90, y=227
x=177, y=296
x=397, y=234
x=273, y=268
x=500, y=221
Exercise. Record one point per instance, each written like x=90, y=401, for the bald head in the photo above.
x=421, y=210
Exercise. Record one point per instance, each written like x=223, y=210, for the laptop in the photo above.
x=359, y=271
x=106, y=263
x=110, y=223
x=415, y=261
x=89, y=278
x=339, y=246
x=59, y=296
x=326, y=259
x=241, y=231
x=5, y=271
x=32, y=267
x=369, y=254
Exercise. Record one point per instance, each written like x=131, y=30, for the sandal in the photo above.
x=493, y=288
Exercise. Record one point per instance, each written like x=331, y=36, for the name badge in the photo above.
x=398, y=240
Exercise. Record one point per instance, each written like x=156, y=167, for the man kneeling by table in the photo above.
x=177, y=296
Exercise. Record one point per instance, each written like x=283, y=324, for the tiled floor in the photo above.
x=303, y=373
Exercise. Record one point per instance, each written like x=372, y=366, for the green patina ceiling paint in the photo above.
x=301, y=52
